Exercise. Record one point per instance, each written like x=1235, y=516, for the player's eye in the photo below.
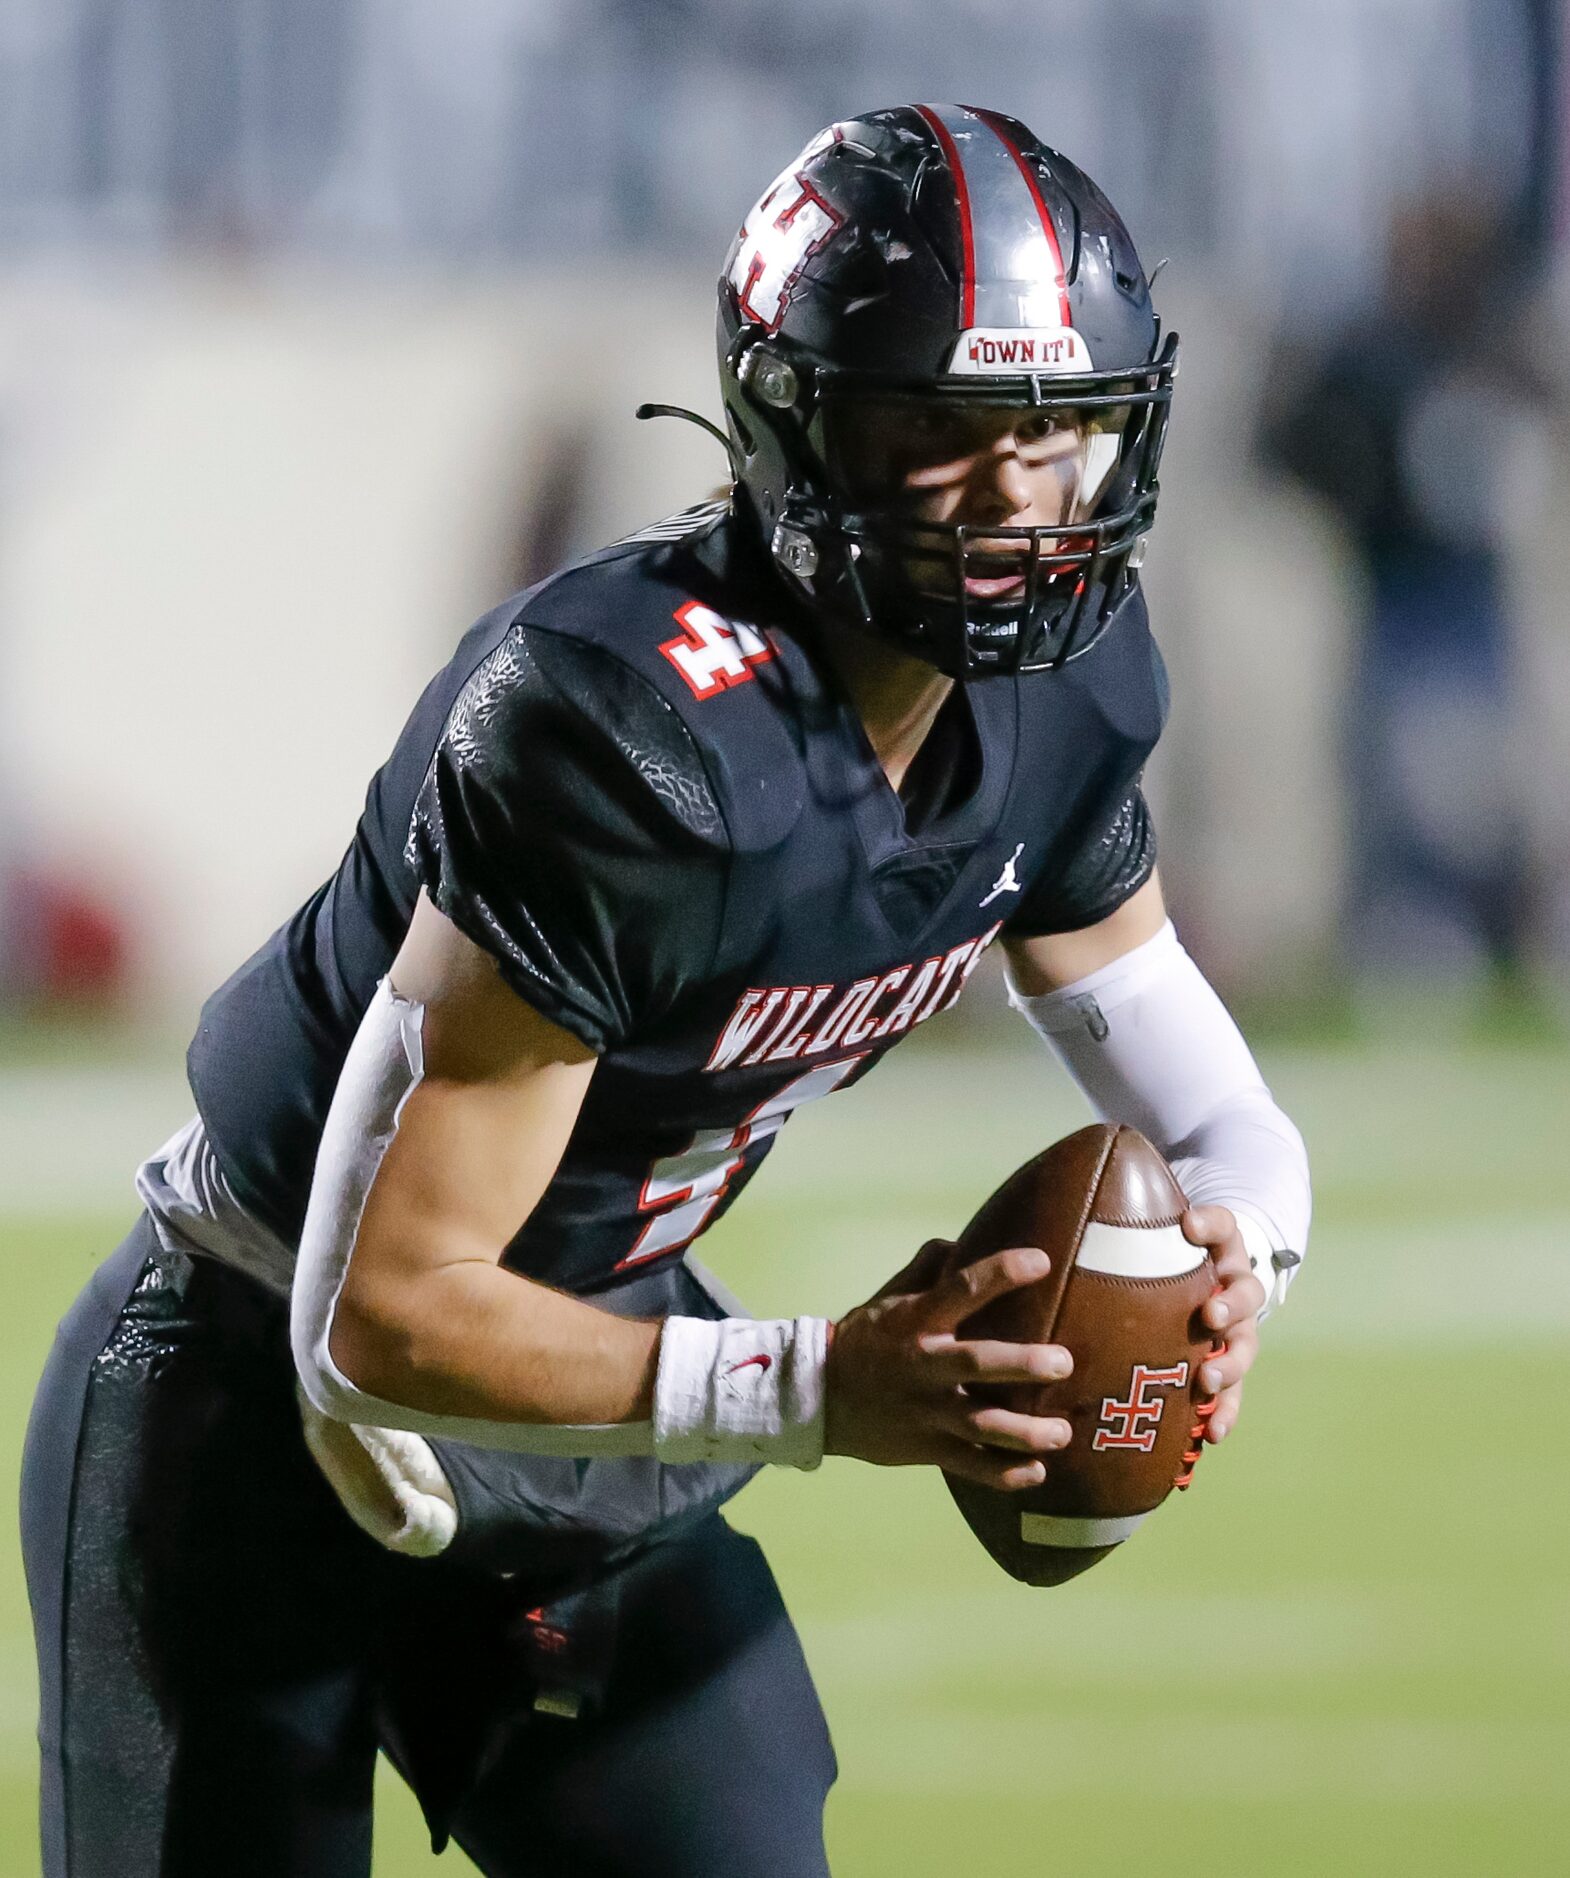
x=1044, y=438
x=938, y=430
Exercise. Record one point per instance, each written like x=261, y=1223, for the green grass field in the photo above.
x=1344, y=1652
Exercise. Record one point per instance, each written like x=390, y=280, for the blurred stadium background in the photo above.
x=321, y=326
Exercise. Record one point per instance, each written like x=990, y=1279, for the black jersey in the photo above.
x=641, y=790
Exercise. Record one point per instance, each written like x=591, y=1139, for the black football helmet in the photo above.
x=917, y=282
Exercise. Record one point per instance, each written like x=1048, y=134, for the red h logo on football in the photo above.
x=1133, y=1424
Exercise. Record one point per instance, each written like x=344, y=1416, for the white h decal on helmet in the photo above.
x=788, y=226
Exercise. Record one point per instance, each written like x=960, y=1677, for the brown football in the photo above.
x=1123, y=1296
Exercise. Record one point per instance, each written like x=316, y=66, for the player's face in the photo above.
x=983, y=467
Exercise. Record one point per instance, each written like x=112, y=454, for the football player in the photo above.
x=403, y=1417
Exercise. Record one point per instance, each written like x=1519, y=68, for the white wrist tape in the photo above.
x=1151, y=1044
x=741, y=1390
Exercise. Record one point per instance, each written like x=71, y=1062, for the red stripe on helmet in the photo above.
x=967, y=238
x=995, y=124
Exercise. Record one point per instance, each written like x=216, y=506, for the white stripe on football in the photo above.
x=1137, y=1251
x=1051, y=1529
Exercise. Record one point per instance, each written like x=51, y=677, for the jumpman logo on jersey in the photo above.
x=1008, y=880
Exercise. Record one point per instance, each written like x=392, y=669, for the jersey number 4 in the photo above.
x=682, y=1190
x=714, y=654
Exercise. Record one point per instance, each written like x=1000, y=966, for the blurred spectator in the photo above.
x=62, y=945
x=1414, y=423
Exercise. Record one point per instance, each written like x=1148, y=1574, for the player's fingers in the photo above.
x=921, y=1273
x=988, y=1467
x=1216, y=1227
x=968, y=1290
x=980, y=1359
x=1223, y=1418
x=1229, y=1365
x=1240, y=1296
x=993, y=1427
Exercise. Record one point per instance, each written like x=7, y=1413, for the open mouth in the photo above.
x=1000, y=577
x=1006, y=574
x=1008, y=584
x=998, y=573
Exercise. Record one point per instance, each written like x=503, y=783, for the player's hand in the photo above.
x=1233, y=1313
x=897, y=1371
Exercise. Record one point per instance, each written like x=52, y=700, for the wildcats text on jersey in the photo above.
x=776, y=1023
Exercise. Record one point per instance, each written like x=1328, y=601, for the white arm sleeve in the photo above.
x=1151, y=1044
x=382, y=1070
x=736, y=1389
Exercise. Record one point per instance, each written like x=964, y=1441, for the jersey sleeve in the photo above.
x=566, y=824
x=1106, y=850
x=1115, y=858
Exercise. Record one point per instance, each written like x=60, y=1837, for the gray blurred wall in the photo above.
x=303, y=306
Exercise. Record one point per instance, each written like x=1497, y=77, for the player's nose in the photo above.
x=1001, y=487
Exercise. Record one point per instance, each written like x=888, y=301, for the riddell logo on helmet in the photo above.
x=993, y=349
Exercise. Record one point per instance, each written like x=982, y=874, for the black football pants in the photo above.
x=222, y=1652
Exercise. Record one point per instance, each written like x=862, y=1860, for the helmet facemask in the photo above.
x=988, y=528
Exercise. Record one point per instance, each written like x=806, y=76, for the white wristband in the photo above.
x=741, y=1390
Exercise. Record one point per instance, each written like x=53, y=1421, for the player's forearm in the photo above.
x=1249, y=1156
x=402, y=1316
x=428, y=1318
x=472, y=1339
x=1151, y=1044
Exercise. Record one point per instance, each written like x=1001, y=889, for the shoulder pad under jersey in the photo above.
x=698, y=640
